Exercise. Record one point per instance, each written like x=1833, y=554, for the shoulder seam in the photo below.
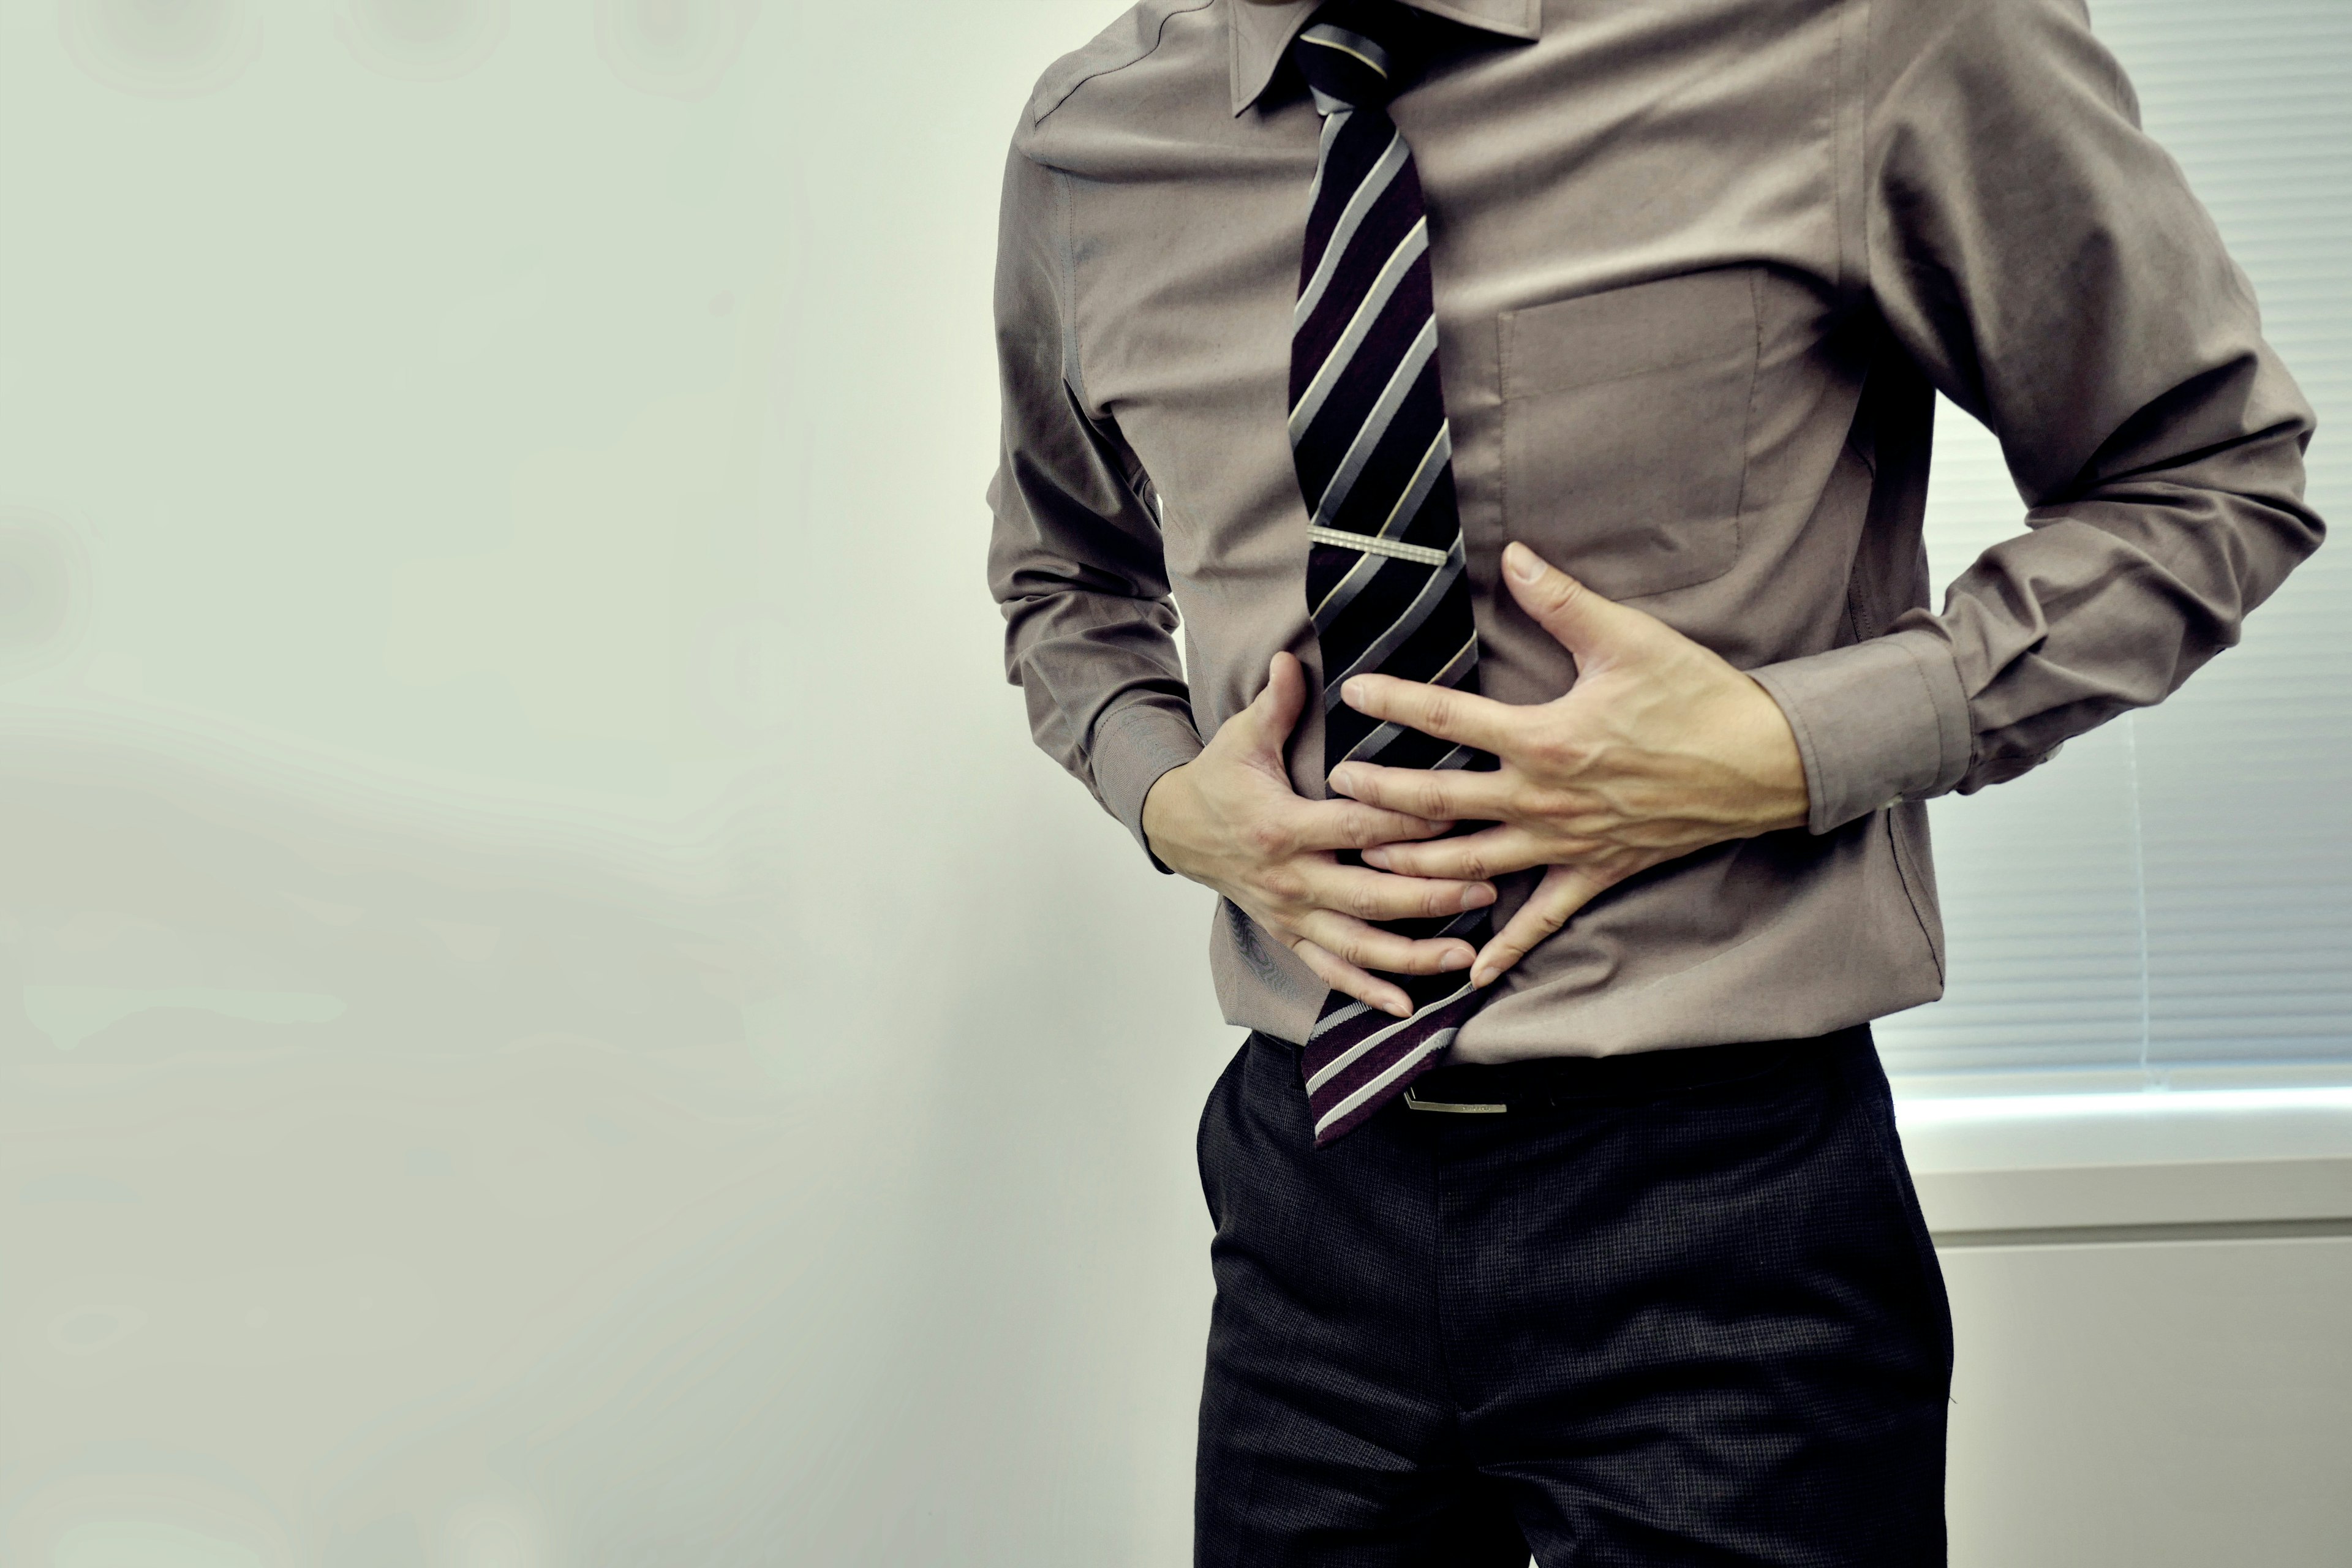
x=1039, y=110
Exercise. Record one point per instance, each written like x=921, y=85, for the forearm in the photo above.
x=2116, y=598
x=1105, y=697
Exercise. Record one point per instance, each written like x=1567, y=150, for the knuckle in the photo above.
x=1550, y=804
x=1284, y=884
x=1267, y=837
x=1563, y=753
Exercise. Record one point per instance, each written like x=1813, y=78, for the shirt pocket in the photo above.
x=1625, y=421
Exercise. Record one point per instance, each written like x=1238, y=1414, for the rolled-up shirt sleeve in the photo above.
x=2044, y=264
x=1074, y=558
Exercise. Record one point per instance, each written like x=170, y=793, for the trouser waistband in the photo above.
x=1546, y=1082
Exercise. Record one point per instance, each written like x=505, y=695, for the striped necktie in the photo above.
x=1374, y=452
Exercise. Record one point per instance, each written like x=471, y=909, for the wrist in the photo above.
x=1158, y=804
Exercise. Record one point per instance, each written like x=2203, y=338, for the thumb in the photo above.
x=1580, y=620
x=1273, y=711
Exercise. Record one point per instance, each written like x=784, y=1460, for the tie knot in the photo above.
x=1356, y=54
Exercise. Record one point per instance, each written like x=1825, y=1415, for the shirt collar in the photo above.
x=1261, y=29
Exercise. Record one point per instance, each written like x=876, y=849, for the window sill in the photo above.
x=2177, y=1165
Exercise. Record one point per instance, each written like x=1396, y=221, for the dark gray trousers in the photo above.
x=1683, y=1312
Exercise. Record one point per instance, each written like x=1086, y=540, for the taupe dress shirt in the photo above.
x=1699, y=270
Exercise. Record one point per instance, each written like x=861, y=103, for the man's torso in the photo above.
x=1660, y=374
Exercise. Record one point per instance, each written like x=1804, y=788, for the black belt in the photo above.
x=1545, y=1083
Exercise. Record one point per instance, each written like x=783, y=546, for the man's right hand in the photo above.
x=1229, y=820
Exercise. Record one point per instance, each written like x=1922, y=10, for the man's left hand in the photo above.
x=1659, y=749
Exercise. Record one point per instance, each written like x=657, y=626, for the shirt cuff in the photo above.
x=1875, y=722
x=1133, y=745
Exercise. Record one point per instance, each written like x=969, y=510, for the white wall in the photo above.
x=560, y=1021
x=563, y=1021
x=2147, y=1293
x=2155, y=1406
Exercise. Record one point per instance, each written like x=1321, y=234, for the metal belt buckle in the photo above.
x=1459, y=1107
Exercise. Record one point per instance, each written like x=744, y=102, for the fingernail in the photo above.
x=1454, y=959
x=1478, y=896
x=1481, y=978
x=1377, y=859
x=1521, y=563
x=1400, y=1009
x=1352, y=693
x=1343, y=777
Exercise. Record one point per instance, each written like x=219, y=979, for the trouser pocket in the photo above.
x=1867, y=1080
x=1215, y=1114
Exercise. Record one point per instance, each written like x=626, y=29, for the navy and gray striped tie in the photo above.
x=1384, y=573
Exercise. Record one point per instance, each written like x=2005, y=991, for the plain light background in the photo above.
x=560, y=1020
